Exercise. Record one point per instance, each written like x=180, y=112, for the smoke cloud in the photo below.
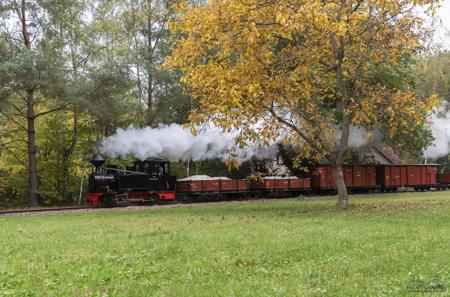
x=177, y=143
x=360, y=137
x=441, y=132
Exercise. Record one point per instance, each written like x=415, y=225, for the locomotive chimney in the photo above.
x=97, y=160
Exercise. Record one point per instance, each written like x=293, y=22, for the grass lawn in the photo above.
x=382, y=246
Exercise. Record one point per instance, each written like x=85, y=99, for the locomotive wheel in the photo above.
x=107, y=201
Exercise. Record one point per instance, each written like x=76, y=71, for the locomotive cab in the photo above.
x=150, y=180
x=153, y=167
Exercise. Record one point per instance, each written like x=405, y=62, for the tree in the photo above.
x=303, y=70
x=53, y=60
x=29, y=67
x=148, y=43
x=137, y=33
x=434, y=75
x=404, y=76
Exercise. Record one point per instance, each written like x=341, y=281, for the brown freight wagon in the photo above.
x=303, y=183
x=443, y=178
x=357, y=178
x=211, y=185
x=322, y=178
x=419, y=176
x=263, y=184
x=273, y=184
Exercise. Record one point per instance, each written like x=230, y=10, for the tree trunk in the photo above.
x=340, y=185
x=67, y=155
x=32, y=168
x=337, y=164
x=150, y=64
x=149, y=101
x=338, y=47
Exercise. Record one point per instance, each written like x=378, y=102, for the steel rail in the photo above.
x=37, y=210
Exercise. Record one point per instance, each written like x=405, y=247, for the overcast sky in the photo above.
x=444, y=14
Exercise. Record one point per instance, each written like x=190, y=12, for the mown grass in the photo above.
x=380, y=246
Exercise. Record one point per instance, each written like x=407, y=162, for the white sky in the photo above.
x=442, y=35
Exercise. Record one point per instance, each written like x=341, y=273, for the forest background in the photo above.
x=72, y=72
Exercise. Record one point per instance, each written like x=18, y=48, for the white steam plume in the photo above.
x=441, y=134
x=359, y=137
x=177, y=143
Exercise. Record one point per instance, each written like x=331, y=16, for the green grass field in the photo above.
x=384, y=245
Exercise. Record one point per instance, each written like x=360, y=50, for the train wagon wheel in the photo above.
x=107, y=201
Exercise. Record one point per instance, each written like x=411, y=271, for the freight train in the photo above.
x=151, y=181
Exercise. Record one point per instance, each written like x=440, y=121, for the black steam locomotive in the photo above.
x=145, y=181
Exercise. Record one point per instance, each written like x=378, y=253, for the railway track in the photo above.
x=131, y=206
x=156, y=205
x=38, y=210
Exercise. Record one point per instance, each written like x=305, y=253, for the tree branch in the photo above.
x=20, y=112
x=295, y=128
x=20, y=160
x=50, y=111
x=14, y=121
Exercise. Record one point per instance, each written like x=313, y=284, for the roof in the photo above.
x=388, y=153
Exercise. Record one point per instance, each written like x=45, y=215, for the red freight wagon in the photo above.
x=356, y=177
x=190, y=186
x=391, y=176
x=306, y=183
x=281, y=184
x=241, y=185
x=300, y=183
x=364, y=176
x=420, y=177
x=227, y=185
x=231, y=185
x=443, y=178
x=296, y=183
x=263, y=184
x=208, y=184
x=322, y=177
x=212, y=185
x=348, y=176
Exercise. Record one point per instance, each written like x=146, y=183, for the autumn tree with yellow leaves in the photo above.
x=301, y=69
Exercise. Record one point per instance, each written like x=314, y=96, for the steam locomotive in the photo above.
x=151, y=181
x=145, y=181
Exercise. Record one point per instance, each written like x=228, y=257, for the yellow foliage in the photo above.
x=301, y=67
